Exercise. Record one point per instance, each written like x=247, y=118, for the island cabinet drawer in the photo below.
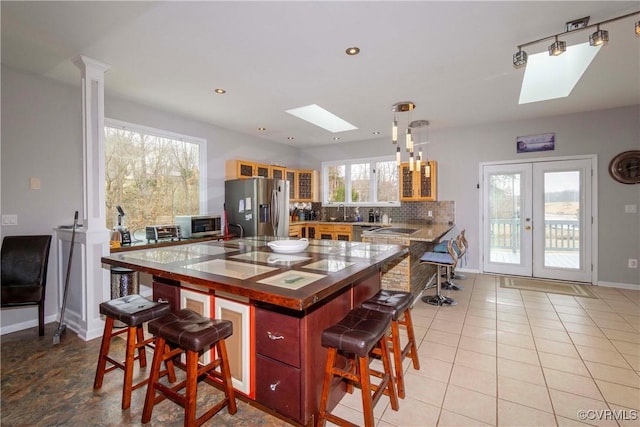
x=278, y=336
x=343, y=228
x=323, y=228
x=278, y=386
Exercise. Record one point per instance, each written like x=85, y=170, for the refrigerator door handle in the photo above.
x=275, y=212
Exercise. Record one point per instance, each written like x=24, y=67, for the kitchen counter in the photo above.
x=426, y=232
x=407, y=273
x=279, y=305
x=222, y=266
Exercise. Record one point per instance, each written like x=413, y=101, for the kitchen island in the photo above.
x=279, y=304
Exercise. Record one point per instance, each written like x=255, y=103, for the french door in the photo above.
x=537, y=219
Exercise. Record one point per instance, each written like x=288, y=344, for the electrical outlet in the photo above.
x=633, y=263
x=430, y=214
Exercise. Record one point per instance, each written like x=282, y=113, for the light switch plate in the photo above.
x=9, y=219
x=34, y=183
x=630, y=208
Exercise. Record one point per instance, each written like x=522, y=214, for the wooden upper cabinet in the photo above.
x=262, y=170
x=277, y=172
x=290, y=175
x=239, y=169
x=414, y=186
x=306, y=186
x=245, y=169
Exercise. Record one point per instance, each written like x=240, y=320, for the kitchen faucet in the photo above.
x=344, y=211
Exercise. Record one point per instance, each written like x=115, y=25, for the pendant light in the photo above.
x=421, y=132
x=398, y=109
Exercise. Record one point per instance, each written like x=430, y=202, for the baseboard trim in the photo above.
x=619, y=285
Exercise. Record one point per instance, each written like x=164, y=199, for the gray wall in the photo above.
x=41, y=137
x=460, y=151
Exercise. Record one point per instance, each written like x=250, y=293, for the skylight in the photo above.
x=320, y=117
x=550, y=77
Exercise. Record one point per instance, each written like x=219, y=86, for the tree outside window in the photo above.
x=153, y=178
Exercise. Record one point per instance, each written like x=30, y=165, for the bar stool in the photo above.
x=460, y=247
x=447, y=261
x=189, y=333
x=132, y=310
x=397, y=304
x=356, y=335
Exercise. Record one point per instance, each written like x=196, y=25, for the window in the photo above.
x=152, y=174
x=367, y=182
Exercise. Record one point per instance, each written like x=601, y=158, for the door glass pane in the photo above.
x=360, y=182
x=337, y=183
x=504, y=218
x=561, y=219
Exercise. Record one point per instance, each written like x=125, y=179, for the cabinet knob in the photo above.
x=274, y=337
x=274, y=386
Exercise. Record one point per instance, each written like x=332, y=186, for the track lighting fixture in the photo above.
x=598, y=38
x=519, y=58
x=557, y=47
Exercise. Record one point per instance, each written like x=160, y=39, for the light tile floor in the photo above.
x=508, y=357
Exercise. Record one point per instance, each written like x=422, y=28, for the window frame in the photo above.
x=161, y=133
x=374, y=189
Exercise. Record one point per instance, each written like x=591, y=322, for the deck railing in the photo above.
x=561, y=235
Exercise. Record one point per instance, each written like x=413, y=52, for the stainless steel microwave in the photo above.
x=194, y=226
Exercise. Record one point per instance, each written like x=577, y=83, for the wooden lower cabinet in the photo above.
x=290, y=358
x=239, y=345
x=278, y=386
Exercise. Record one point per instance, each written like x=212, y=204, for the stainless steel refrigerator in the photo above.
x=259, y=206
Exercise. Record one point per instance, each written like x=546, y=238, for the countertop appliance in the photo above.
x=163, y=232
x=259, y=206
x=196, y=226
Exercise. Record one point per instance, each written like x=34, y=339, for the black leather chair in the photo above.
x=24, y=272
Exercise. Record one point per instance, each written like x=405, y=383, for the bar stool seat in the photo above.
x=446, y=260
x=398, y=305
x=356, y=336
x=191, y=333
x=132, y=310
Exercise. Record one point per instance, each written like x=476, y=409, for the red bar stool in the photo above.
x=133, y=311
x=356, y=336
x=398, y=305
x=191, y=333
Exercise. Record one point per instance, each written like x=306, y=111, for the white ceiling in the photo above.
x=453, y=59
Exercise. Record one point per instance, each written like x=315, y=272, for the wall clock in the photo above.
x=625, y=167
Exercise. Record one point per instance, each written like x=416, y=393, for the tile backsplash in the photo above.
x=442, y=211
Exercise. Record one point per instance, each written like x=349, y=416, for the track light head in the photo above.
x=519, y=58
x=599, y=37
x=557, y=47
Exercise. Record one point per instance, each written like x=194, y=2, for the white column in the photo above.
x=91, y=284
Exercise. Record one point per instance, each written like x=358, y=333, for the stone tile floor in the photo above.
x=502, y=357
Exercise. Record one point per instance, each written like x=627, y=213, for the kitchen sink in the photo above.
x=395, y=230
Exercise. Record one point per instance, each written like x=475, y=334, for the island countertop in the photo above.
x=247, y=267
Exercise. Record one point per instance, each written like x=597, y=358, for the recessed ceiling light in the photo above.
x=290, y=138
x=375, y=132
x=336, y=138
x=220, y=91
x=322, y=118
x=261, y=129
x=352, y=50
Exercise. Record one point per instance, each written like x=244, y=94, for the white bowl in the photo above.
x=288, y=246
